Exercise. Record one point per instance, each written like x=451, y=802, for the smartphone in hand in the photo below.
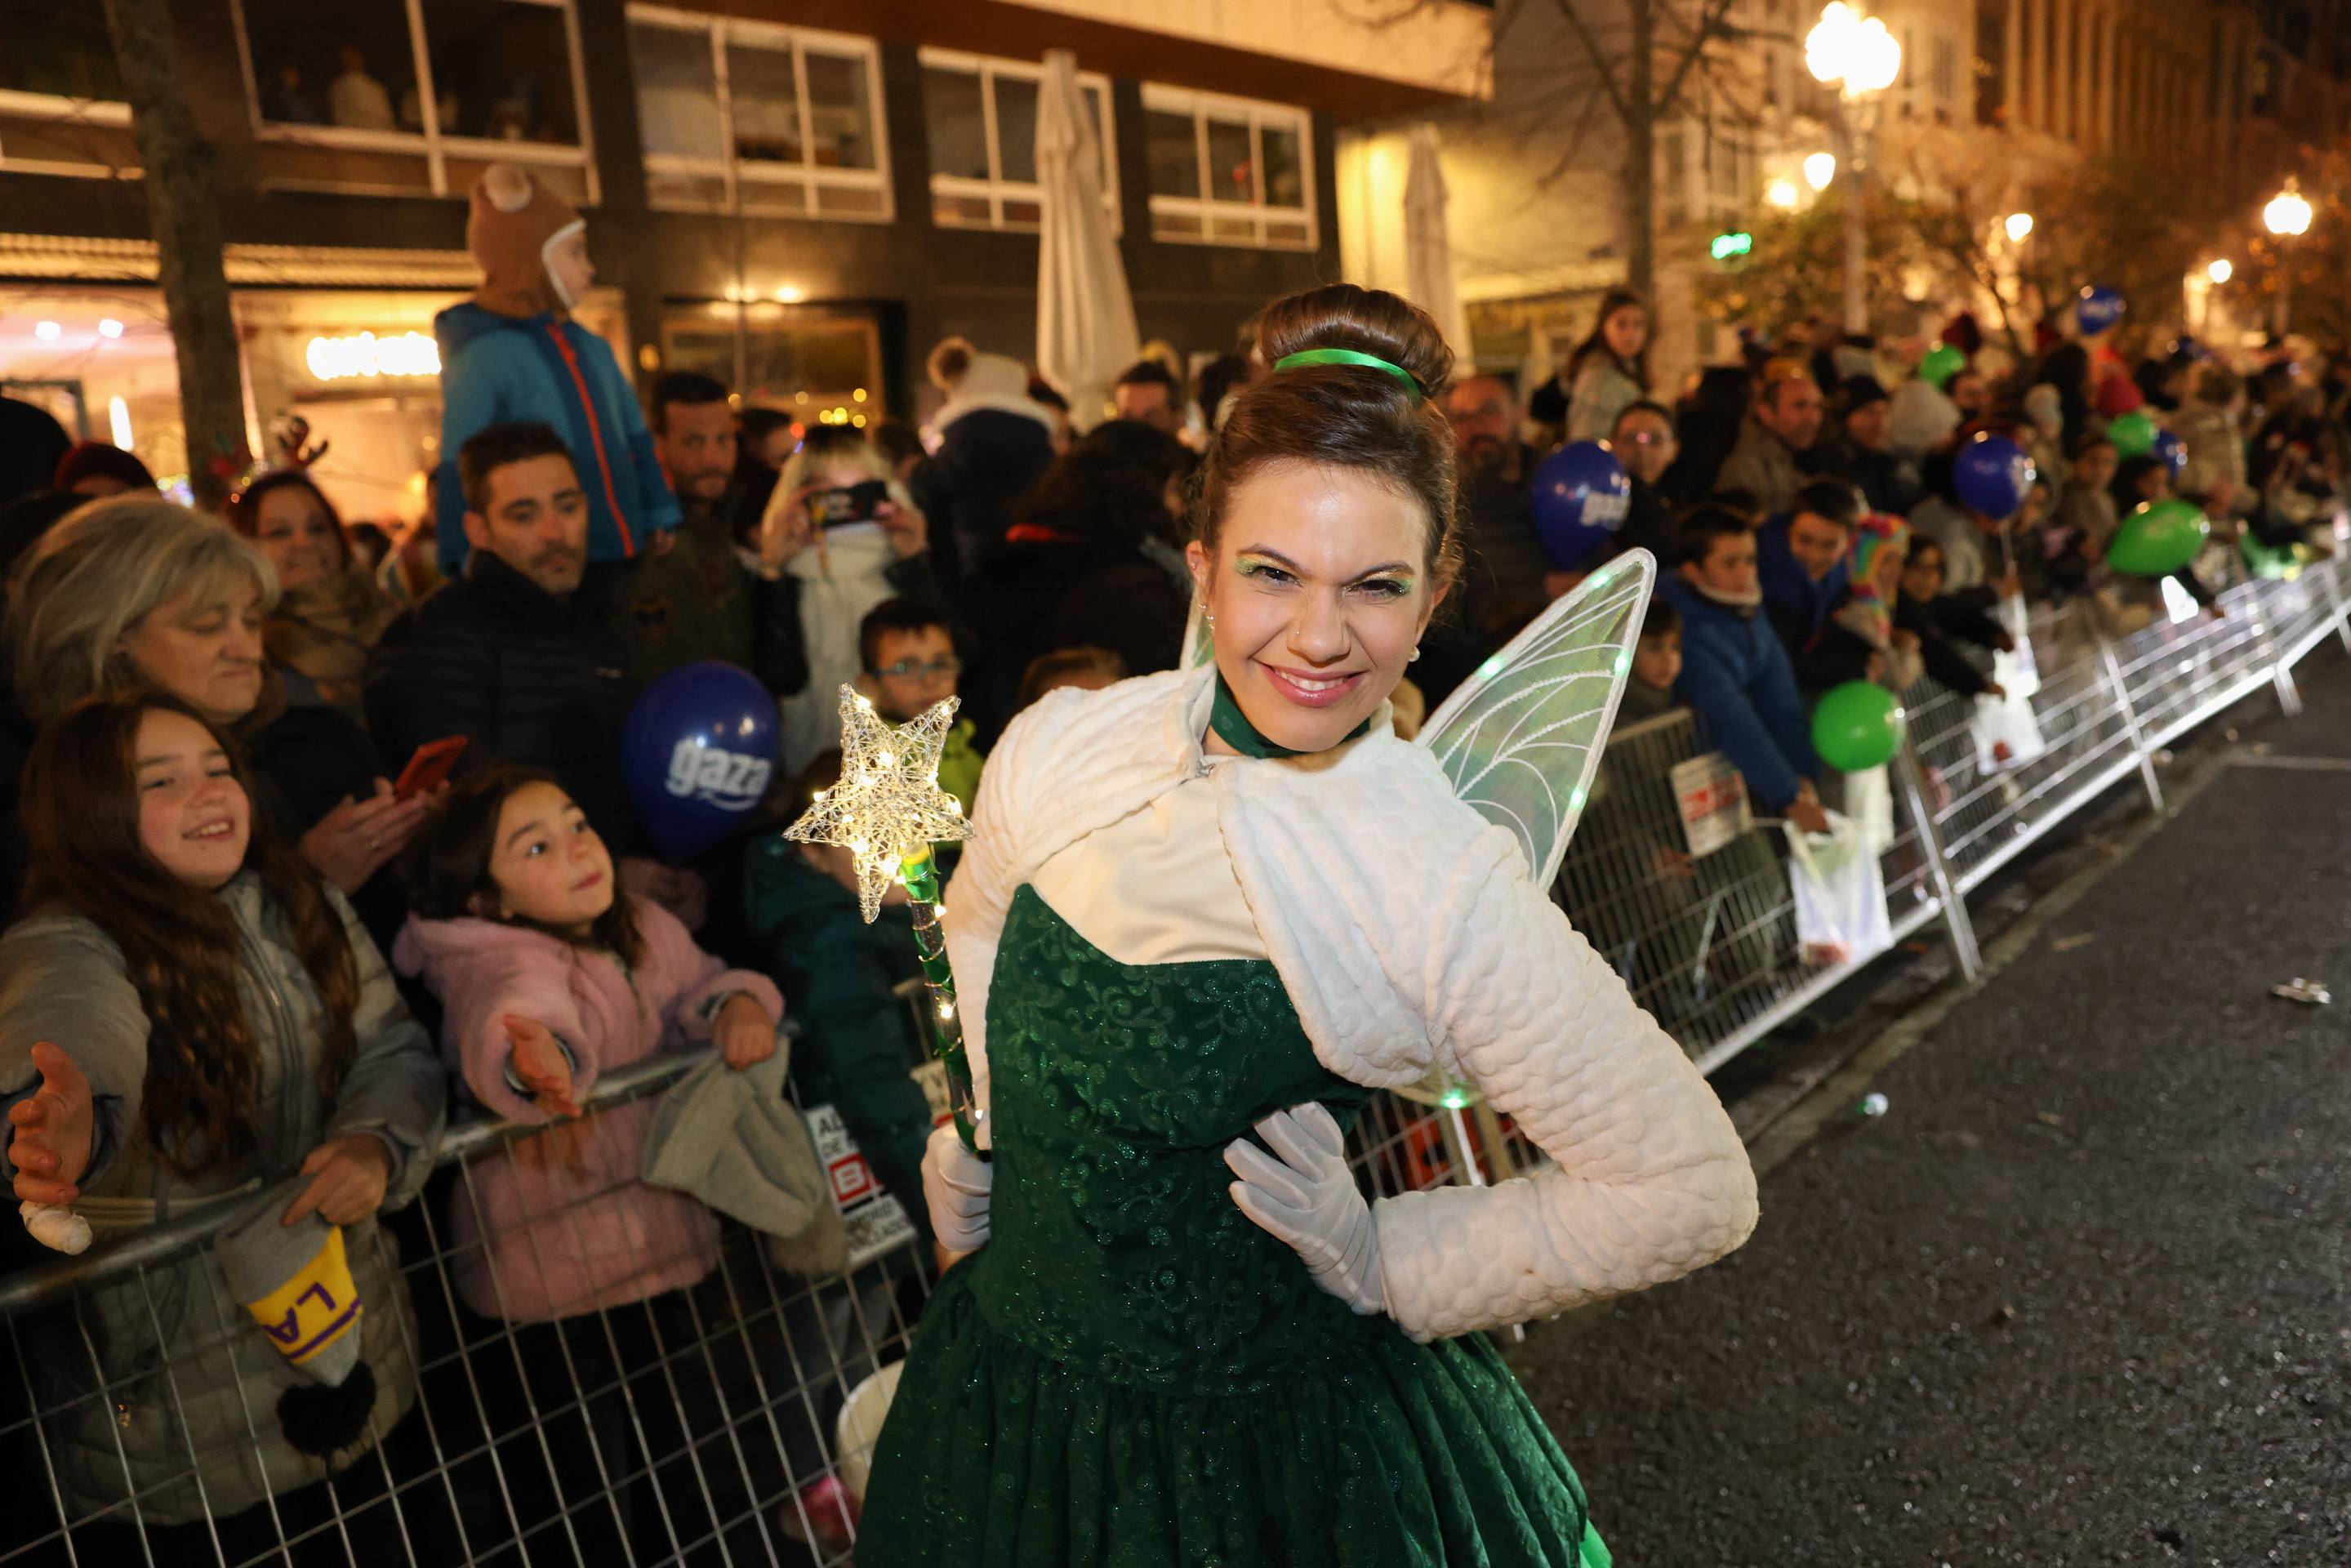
x=433, y=761
x=850, y=504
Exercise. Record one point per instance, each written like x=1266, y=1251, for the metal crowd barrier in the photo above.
x=729, y=1420
x=1709, y=945
x=723, y=1422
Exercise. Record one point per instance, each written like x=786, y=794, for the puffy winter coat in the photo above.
x=548, y=368
x=525, y=675
x=857, y=1042
x=1737, y=677
x=535, y=1238
x=193, y=1389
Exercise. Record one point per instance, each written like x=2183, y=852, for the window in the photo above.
x=980, y=115
x=1226, y=171
x=817, y=365
x=61, y=109
x=753, y=118
x=415, y=96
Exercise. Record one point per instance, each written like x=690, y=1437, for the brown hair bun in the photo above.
x=1345, y=416
x=1368, y=320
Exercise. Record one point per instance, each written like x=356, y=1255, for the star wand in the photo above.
x=888, y=810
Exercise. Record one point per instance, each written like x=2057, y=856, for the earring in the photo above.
x=1415, y=652
x=1210, y=619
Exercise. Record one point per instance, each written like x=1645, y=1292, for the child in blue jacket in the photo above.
x=513, y=352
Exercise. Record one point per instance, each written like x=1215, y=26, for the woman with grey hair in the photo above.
x=137, y=592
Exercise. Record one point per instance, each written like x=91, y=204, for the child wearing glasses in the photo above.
x=907, y=656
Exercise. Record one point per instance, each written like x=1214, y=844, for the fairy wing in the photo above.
x=1522, y=737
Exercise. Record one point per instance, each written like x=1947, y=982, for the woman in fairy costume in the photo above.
x=1203, y=916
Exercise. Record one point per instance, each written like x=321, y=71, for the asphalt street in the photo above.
x=2084, y=1294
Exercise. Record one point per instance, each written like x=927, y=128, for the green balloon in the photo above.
x=2264, y=561
x=2133, y=434
x=2159, y=537
x=1858, y=725
x=1940, y=364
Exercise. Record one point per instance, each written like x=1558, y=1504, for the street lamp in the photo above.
x=2220, y=269
x=1820, y=168
x=1781, y=191
x=2019, y=225
x=1860, y=57
x=2287, y=215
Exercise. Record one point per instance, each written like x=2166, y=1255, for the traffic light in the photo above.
x=1737, y=242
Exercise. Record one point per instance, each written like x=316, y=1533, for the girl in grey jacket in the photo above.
x=188, y=1015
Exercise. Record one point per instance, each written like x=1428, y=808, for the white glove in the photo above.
x=956, y=1184
x=1309, y=1199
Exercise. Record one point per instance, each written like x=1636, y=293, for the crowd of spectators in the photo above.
x=274, y=670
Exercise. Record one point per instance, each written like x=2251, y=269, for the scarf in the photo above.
x=1233, y=728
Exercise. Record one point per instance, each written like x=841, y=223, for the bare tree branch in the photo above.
x=1710, y=23
x=1584, y=33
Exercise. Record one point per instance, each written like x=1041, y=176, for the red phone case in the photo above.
x=433, y=762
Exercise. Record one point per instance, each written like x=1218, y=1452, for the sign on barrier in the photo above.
x=876, y=1221
x=1712, y=800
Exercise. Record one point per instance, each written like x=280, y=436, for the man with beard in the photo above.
x=696, y=596
x=1506, y=561
x=1781, y=425
x=517, y=655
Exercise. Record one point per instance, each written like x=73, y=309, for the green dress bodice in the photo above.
x=1130, y=1372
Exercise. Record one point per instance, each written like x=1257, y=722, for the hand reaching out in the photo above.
x=358, y=838
x=347, y=1178
x=1808, y=815
x=50, y=1131
x=744, y=1032
x=541, y=1066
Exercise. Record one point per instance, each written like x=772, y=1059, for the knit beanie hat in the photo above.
x=296, y=1281
x=514, y=221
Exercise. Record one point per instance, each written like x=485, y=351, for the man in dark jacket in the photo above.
x=695, y=598
x=517, y=655
x=1734, y=672
x=1862, y=452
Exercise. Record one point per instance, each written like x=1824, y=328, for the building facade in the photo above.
x=2224, y=91
x=799, y=196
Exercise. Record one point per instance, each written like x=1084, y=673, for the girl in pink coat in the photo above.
x=550, y=978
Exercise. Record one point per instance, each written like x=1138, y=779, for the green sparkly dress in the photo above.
x=1131, y=1373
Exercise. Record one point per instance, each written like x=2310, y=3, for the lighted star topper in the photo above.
x=888, y=805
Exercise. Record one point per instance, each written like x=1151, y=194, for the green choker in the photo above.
x=1233, y=726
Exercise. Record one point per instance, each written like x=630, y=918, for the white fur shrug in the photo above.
x=1410, y=938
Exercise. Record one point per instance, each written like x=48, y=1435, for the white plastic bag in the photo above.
x=1840, y=893
x=2006, y=731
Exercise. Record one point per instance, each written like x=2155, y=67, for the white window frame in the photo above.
x=430, y=142
x=995, y=189
x=112, y=113
x=738, y=174
x=1256, y=116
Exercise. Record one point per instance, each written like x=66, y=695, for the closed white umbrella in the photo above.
x=1085, y=316
x=1429, y=282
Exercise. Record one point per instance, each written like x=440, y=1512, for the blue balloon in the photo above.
x=1992, y=475
x=1581, y=498
x=698, y=754
x=2172, y=450
x=2098, y=308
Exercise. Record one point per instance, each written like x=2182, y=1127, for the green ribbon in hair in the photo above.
x=1350, y=357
